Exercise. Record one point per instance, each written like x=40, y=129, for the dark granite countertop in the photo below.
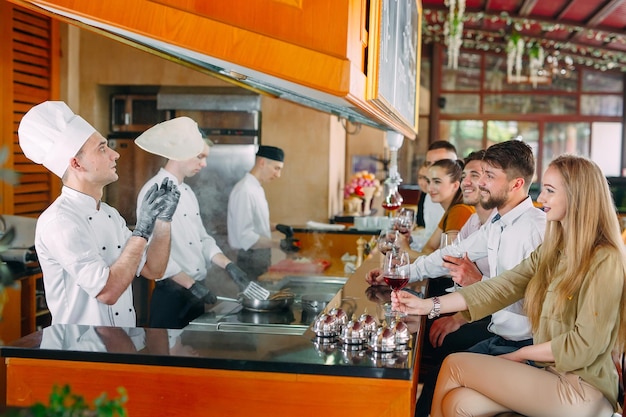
x=304, y=353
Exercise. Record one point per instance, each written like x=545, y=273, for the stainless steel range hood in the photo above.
x=365, y=70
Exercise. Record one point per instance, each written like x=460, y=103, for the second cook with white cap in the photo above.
x=180, y=296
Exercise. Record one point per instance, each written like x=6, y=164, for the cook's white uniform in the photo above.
x=192, y=247
x=248, y=213
x=76, y=243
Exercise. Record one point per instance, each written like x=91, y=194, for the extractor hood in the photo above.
x=357, y=59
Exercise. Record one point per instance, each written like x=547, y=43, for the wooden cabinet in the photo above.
x=34, y=312
x=23, y=308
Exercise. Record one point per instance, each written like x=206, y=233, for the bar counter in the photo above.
x=191, y=372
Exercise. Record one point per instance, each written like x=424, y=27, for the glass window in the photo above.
x=466, y=77
x=501, y=131
x=560, y=138
x=496, y=79
x=466, y=135
x=601, y=105
x=529, y=104
x=602, y=82
x=459, y=103
x=606, y=147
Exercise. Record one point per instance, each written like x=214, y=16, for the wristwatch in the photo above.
x=434, y=313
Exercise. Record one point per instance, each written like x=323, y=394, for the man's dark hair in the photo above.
x=474, y=156
x=442, y=144
x=514, y=157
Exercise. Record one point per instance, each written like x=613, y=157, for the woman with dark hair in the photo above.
x=444, y=188
x=574, y=292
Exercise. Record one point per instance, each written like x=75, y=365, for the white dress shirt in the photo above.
x=248, y=213
x=76, y=243
x=192, y=248
x=433, y=212
x=505, y=241
x=472, y=225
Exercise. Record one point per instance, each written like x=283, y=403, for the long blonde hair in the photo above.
x=591, y=222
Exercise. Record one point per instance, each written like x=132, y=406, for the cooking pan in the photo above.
x=262, y=305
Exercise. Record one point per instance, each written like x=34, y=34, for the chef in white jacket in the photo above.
x=88, y=256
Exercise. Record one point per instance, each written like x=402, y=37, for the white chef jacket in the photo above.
x=85, y=338
x=76, y=243
x=505, y=242
x=248, y=213
x=192, y=248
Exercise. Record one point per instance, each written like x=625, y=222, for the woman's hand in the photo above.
x=375, y=277
x=411, y=304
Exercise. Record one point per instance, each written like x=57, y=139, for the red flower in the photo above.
x=358, y=190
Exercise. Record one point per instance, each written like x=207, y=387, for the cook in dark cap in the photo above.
x=271, y=152
x=249, y=227
x=88, y=256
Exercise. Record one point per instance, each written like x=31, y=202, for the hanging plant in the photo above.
x=453, y=31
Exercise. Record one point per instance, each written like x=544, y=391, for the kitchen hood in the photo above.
x=357, y=59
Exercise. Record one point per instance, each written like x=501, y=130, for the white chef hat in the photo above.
x=176, y=139
x=51, y=134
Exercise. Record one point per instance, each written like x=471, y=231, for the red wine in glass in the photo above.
x=392, y=205
x=396, y=282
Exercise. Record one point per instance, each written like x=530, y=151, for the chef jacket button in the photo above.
x=109, y=216
x=197, y=269
x=119, y=246
x=191, y=243
x=117, y=314
x=104, y=248
x=185, y=215
x=89, y=217
x=130, y=309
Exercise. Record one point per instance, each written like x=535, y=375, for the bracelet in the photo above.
x=434, y=313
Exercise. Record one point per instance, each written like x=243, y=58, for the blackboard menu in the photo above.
x=393, y=72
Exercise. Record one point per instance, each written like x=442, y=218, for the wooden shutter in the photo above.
x=33, y=60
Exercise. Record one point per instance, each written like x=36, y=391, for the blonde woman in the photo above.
x=574, y=289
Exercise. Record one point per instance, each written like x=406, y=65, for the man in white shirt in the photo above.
x=180, y=296
x=88, y=256
x=249, y=227
x=432, y=212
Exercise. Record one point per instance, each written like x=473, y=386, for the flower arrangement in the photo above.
x=359, y=181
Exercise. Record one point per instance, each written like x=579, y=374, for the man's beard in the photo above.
x=493, y=201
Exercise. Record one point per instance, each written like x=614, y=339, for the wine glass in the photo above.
x=388, y=241
x=396, y=272
x=404, y=220
x=449, y=238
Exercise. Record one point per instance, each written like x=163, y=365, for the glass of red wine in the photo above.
x=396, y=272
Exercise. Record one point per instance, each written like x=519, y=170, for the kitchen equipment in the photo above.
x=254, y=290
x=317, y=302
x=326, y=325
x=17, y=239
x=257, y=305
x=224, y=315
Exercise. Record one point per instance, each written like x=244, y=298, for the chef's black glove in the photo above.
x=284, y=229
x=199, y=290
x=290, y=245
x=151, y=206
x=238, y=275
x=170, y=200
